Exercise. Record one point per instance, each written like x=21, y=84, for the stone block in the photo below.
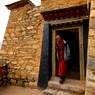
x=23, y=33
x=91, y=64
x=54, y=84
x=5, y=43
x=91, y=32
x=32, y=84
x=91, y=75
x=67, y=93
x=10, y=52
x=10, y=30
x=26, y=84
x=21, y=61
x=17, y=74
x=16, y=67
x=92, y=4
x=91, y=44
x=18, y=34
x=29, y=68
x=37, y=14
x=62, y=93
x=12, y=35
x=30, y=77
x=20, y=82
x=34, y=31
x=14, y=62
x=91, y=52
x=10, y=75
x=29, y=11
x=23, y=75
x=13, y=81
x=92, y=14
x=36, y=69
x=6, y=35
x=30, y=27
x=3, y=52
x=50, y=92
x=1, y=57
x=92, y=23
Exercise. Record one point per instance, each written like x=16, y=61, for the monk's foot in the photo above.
x=61, y=81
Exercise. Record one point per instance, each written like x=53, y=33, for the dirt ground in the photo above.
x=14, y=90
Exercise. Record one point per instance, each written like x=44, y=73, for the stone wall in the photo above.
x=48, y=5
x=90, y=82
x=22, y=45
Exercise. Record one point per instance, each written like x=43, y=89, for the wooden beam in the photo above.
x=68, y=20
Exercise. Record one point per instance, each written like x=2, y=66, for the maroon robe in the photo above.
x=62, y=65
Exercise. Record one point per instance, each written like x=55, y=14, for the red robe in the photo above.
x=62, y=65
x=1, y=72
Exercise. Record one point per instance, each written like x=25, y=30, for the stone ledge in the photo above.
x=73, y=86
x=65, y=93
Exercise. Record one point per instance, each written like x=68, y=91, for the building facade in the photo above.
x=30, y=41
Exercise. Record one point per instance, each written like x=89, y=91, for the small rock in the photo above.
x=30, y=27
x=32, y=84
x=37, y=14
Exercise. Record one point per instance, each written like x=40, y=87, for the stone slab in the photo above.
x=50, y=92
x=69, y=85
x=65, y=93
x=92, y=22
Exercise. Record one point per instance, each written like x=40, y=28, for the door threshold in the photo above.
x=68, y=80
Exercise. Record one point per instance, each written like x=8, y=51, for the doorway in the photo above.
x=71, y=36
x=77, y=37
x=76, y=65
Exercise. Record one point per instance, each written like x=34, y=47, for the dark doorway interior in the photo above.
x=72, y=38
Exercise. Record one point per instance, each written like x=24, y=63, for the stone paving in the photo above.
x=14, y=90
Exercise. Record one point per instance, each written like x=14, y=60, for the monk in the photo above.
x=62, y=69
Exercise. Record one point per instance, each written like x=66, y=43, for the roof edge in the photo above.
x=18, y=4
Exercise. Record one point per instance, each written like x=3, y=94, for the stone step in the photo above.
x=66, y=93
x=69, y=85
x=50, y=92
x=57, y=92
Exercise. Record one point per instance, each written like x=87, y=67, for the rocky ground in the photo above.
x=14, y=90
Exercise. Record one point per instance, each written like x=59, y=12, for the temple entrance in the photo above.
x=65, y=21
x=76, y=35
x=71, y=36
